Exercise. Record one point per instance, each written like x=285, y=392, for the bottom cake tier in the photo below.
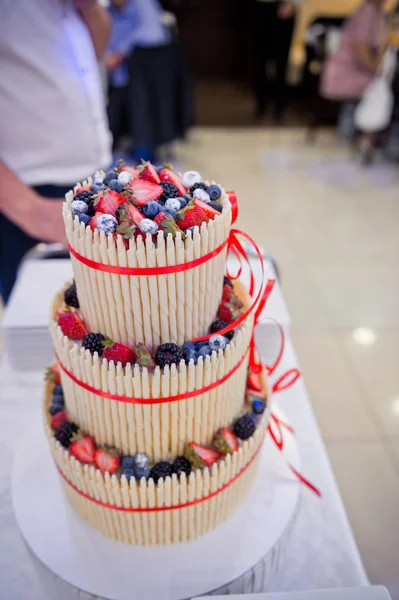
x=175, y=509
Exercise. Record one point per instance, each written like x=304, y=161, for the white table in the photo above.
x=317, y=551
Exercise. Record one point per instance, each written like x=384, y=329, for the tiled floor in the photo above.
x=333, y=227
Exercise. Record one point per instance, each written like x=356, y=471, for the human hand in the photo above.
x=286, y=10
x=113, y=60
x=44, y=221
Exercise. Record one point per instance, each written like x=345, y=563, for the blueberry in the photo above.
x=190, y=229
x=78, y=206
x=127, y=462
x=159, y=169
x=97, y=187
x=205, y=351
x=258, y=407
x=190, y=354
x=107, y=223
x=83, y=218
x=57, y=390
x=109, y=177
x=216, y=206
x=183, y=201
x=115, y=185
x=188, y=346
x=148, y=226
x=151, y=209
x=57, y=399
x=172, y=212
x=214, y=191
x=198, y=345
x=128, y=473
x=217, y=342
x=56, y=408
x=140, y=472
x=173, y=203
x=141, y=460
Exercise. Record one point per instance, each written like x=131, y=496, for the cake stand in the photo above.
x=221, y=561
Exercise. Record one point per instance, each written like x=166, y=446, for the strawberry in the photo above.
x=117, y=352
x=107, y=201
x=200, y=456
x=82, y=188
x=225, y=442
x=72, y=325
x=142, y=357
x=148, y=172
x=106, y=459
x=191, y=216
x=167, y=224
x=93, y=221
x=227, y=312
x=227, y=293
x=254, y=382
x=130, y=170
x=58, y=420
x=83, y=449
x=168, y=175
x=143, y=191
x=53, y=374
x=207, y=208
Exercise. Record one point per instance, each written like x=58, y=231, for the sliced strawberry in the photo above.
x=225, y=441
x=209, y=210
x=148, y=172
x=83, y=449
x=93, y=221
x=130, y=212
x=168, y=175
x=82, y=188
x=254, y=382
x=191, y=216
x=144, y=191
x=130, y=170
x=143, y=358
x=107, y=201
x=58, y=420
x=107, y=460
x=53, y=374
x=72, y=325
x=118, y=352
x=227, y=292
x=167, y=224
x=200, y=456
x=228, y=312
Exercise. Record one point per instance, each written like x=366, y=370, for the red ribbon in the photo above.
x=163, y=508
x=129, y=399
x=234, y=206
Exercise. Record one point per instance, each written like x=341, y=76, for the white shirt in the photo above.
x=53, y=125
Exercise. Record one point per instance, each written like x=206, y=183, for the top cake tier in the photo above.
x=148, y=250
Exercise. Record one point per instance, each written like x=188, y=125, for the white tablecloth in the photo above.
x=318, y=549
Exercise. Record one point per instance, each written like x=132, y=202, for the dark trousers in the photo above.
x=15, y=243
x=118, y=112
x=272, y=38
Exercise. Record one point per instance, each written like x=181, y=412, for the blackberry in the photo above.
x=167, y=354
x=245, y=426
x=181, y=465
x=169, y=191
x=198, y=186
x=227, y=281
x=218, y=326
x=71, y=296
x=161, y=470
x=65, y=432
x=88, y=197
x=94, y=342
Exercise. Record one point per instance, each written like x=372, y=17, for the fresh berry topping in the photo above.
x=71, y=297
x=107, y=223
x=184, y=200
x=65, y=433
x=254, y=381
x=71, y=325
x=53, y=374
x=227, y=281
x=57, y=390
x=78, y=206
x=83, y=218
x=168, y=354
x=244, y=427
x=198, y=186
x=124, y=178
x=190, y=178
x=115, y=185
x=141, y=460
x=214, y=192
x=148, y=172
x=56, y=408
x=127, y=462
x=171, y=211
x=205, y=351
x=191, y=216
x=143, y=191
x=170, y=177
x=148, y=226
x=142, y=357
x=169, y=191
x=110, y=176
x=94, y=342
x=98, y=187
x=140, y=472
x=181, y=465
x=83, y=449
x=129, y=217
x=216, y=206
x=166, y=223
x=207, y=208
x=58, y=420
x=128, y=473
x=118, y=352
x=106, y=459
x=173, y=203
x=151, y=209
x=161, y=470
x=225, y=441
x=217, y=342
x=189, y=346
x=200, y=456
x=131, y=170
x=190, y=354
x=86, y=196
x=201, y=195
x=218, y=326
x=227, y=292
x=227, y=312
x=98, y=177
x=258, y=407
x=108, y=201
x=82, y=188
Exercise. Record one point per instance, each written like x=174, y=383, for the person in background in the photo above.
x=137, y=24
x=53, y=128
x=273, y=26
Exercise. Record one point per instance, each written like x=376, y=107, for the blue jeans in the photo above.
x=15, y=243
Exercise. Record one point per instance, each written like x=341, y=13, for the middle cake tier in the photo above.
x=154, y=412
